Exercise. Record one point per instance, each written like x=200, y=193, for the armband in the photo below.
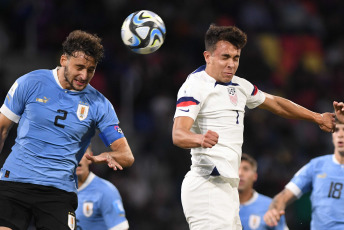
x=110, y=134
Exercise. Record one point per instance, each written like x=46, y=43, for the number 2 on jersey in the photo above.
x=60, y=118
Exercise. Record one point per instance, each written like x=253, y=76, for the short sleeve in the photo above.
x=15, y=100
x=189, y=99
x=302, y=181
x=255, y=97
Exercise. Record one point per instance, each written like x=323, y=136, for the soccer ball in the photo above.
x=143, y=32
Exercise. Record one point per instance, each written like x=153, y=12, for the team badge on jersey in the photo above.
x=87, y=209
x=254, y=221
x=71, y=220
x=233, y=97
x=82, y=111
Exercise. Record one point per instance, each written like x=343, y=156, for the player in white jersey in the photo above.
x=209, y=120
x=324, y=178
x=100, y=205
x=253, y=205
x=58, y=113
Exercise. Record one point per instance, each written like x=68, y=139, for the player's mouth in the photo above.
x=80, y=83
x=340, y=144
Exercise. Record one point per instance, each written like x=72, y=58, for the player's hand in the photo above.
x=339, y=110
x=105, y=158
x=272, y=217
x=209, y=139
x=328, y=122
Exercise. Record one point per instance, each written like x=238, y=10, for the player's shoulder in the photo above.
x=263, y=198
x=317, y=161
x=36, y=75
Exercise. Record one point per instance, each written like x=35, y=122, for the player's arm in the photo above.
x=277, y=207
x=119, y=158
x=288, y=109
x=5, y=126
x=339, y=110
x=184, y=138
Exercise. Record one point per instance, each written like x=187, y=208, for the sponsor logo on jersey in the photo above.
x=44, y=100
x=233, y=97
x=254, y=221
x=87, y=208
x=185, y=110
x=82, y=111
x=324, y=175
x=71, y=220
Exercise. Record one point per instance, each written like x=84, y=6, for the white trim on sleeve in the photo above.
x=9, y=114
x=294, y=189
x=122, y=226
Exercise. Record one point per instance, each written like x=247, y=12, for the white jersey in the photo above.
x=219, y=107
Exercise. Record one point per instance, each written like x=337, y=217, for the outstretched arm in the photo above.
x=288, y=109
x=120, y=156
x=277, y=207
x=5, y=126
x=184, y=138
x=339, y=110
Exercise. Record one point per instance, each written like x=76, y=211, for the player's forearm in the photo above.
x=282, y=200
x=288, y=109
x=186, y=139
x=122, y=154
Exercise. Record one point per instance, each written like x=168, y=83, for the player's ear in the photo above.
x=63, y=60
x=207, y=55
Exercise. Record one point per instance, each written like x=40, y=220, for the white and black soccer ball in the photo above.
x=143, y=32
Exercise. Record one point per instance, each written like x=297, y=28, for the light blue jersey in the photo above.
x=55, y=128
x=324, y=177
x=252, y=212
x=100, y=206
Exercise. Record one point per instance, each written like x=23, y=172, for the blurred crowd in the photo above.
x=295, y=49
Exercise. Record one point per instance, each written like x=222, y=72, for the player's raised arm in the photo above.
x=288, y=109
x=5, y=126
x=184, y=138
x=119, y=158
x=277, y=207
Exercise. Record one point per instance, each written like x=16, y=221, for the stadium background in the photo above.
x=295, y=49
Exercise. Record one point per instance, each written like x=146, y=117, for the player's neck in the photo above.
x=245, y=196
x=339, y=157
x=82, y=179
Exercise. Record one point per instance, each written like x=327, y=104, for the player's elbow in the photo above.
x=129, y=161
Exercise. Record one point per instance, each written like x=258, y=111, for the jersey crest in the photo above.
x=88, y=209
x=82, y=111
x=233, y=97
x=254, y=221
x=71, y=220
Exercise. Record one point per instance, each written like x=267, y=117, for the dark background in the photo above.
x=295, y=50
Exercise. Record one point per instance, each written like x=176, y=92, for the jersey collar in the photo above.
x=89, y=179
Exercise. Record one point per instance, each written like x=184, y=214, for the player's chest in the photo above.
x=62, y=109
x=226, y=97
x=329, y=184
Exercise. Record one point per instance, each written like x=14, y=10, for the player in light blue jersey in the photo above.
x=58, y=113
x=253, y=205
x=324, y=178
x=100, y=204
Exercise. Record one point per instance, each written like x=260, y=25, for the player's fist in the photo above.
x=272, y=216
x=210, y=138
x=339, y=110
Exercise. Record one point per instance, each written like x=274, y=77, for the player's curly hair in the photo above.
x=231, y=34
x=79, y=40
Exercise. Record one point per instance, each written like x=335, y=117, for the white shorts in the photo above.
x=210, y=202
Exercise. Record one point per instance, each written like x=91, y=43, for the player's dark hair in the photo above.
x=249, y=159
x=85, y=42
x=230, y=34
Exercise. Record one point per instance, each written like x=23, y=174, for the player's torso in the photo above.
x=328, y=195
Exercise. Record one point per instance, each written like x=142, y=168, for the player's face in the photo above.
x=223, y=63
x=338, y=139
x=78, y=71
x=247, y=176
